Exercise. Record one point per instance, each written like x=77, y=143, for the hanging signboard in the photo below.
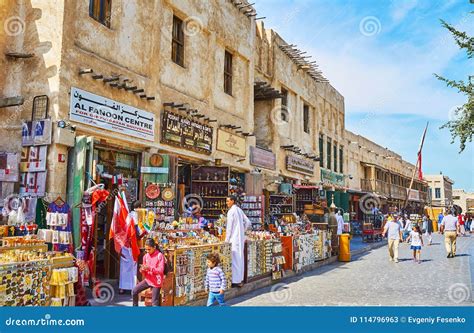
x=299, y=165
x=262, y=158
x=101, y=112
x=231, y=143
x=186, y=133
x=331, y=178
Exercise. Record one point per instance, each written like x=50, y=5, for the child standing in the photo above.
x=215, y=280
x=416, y=243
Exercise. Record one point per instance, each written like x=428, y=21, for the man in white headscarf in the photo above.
x=237, y=223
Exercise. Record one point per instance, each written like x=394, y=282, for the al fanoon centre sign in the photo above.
x=101, y=112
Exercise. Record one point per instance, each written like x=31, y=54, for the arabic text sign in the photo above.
x=299, y=165
x=98, y=111
x=262, y=158
x=231, y=143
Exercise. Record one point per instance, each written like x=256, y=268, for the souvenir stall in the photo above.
x=254, y=207
x=30, y=276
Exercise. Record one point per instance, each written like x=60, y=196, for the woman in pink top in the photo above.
x=152, y=272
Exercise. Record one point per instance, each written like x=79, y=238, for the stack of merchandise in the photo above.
x=278, y=260
x=304, y=250
x=62, y=286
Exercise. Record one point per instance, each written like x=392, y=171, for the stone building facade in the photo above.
x=464, y=199
x=302, y=113
x=379, y=171
x=124, y=53
x=441, y=190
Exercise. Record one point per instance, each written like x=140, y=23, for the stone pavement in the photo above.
x=371, y=279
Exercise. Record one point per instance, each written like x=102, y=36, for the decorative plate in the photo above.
x=167, y=194
x=152, y=191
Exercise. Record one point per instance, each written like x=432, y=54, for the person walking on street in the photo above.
x=393, y=229
x=468, y=222
x=416, y=243
x=461, y=220
x=428, y=228
x=440, y=219
x=450, y=229
x=153, y=272
x=215, y=280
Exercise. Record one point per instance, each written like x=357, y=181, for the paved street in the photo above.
x=371, y=279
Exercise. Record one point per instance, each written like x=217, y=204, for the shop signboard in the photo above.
x=231, y=143
x=101, y=112
x=413, y=195
x=262, y=158
x=299, y=165
x=145, y=169
x=331, y=178
x=183, y=132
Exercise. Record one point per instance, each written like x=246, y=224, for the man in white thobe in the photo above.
x=340, y=223
x=237, y=223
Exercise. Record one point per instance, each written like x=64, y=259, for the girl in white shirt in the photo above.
x=416, y=243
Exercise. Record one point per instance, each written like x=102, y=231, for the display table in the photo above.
x=258, y=259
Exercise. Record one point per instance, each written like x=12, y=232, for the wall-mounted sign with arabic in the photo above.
x=98, y=111
x=299, y=165
x=186, y=133
x=231, y=143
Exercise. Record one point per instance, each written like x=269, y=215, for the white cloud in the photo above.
x=401, y=8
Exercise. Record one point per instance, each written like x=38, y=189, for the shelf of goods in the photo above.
x=190, y=267
x=258, y=258
x=281, y=207
x=304, y=249
x=305, y=196
x=34, y=278
x=22, y=243
x=254, y=207
x=212, y=185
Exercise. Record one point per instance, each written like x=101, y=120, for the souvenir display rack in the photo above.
x=278, y=260
x=254, y=207
x=258, y=259
x=281, y=207
x=212, y=185
x=22, y=243
x=160, y=199
x=190, y=267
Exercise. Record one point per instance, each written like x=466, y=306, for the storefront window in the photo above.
x=328, y=150
x=321, y=150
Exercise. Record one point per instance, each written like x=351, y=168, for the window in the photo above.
x=177, y=43
x=321, y=150
x=430, y=192
x=284, y=105
x=100, y=10
x=306, y=118
x=335, y=157
x=437, y=193
x=341, y=160
x=228, y=73
x=328, y=153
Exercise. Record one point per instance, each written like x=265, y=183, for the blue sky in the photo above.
x=381, y=55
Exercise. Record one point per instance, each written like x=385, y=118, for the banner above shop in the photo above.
x=414, y=195
x=331, y=178
x=262, y=158
x=231, y=143
x=101, y=112
x=186, y=133
x=299, y=165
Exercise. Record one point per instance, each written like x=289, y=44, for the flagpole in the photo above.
x=416, y=166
